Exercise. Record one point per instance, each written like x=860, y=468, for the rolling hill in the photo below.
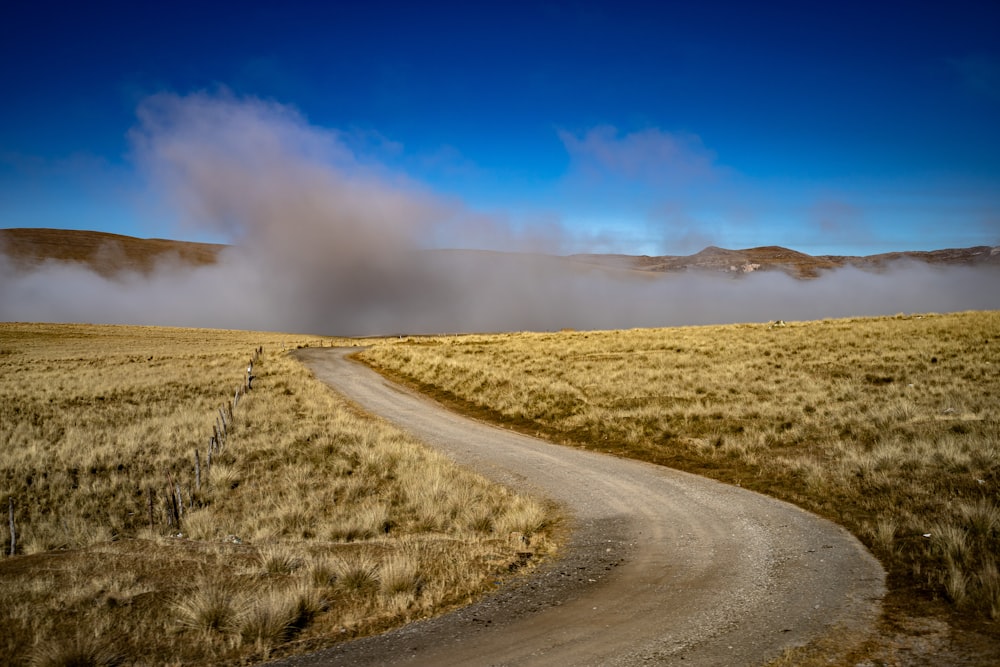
x=103, y=252
x=111, y=253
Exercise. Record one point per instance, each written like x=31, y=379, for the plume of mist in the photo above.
x=326, y=241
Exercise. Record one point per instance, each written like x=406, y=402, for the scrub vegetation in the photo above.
x=311, y=524
x=889, y=426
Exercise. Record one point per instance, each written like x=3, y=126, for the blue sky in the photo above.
x=654, y=128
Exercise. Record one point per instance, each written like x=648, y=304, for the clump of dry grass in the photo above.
x=884, y=534
x=276, y=615
x=102, y=419
x=209, y=608
x=278, y=559
x=400, y=573
x=889, y=425
x=356, y=573
x=524, y=518
x=80, y=651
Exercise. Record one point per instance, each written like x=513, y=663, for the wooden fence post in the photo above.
x=197, y=470
x=13, y=533
x=169, y=500
x=149, y=502
x=180, y=504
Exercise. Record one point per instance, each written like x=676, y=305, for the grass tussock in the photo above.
x=313, y=524
x=890, y=425
x=209, y=608
x=356, y=573
x=81, y=651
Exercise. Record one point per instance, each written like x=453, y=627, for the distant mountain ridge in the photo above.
x=793, y=262
x=110, y=253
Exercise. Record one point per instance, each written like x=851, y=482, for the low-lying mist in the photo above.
x=325, y=242
x=442, y=292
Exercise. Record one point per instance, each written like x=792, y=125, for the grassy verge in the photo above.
x=888, y=426
x=313, y=524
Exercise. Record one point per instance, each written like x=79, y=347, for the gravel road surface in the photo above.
x=662, y=567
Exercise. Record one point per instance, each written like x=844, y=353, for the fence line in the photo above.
x=173, y=499
x=223, y=425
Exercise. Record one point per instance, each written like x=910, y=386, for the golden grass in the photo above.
x=889, y=426
x=305, y=500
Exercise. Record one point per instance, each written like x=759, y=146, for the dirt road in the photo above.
x=662, y=567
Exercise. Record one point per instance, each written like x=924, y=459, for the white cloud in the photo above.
x=650, y=156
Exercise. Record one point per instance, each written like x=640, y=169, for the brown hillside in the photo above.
x=110, y=253
x=105, y=253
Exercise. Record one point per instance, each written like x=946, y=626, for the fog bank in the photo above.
x=326, y=242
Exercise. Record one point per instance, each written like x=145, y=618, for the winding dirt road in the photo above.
x=662, y=567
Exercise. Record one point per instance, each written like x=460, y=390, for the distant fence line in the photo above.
x=173, y=499
x=224, y=422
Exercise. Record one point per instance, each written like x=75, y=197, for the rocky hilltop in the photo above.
x=798, y=264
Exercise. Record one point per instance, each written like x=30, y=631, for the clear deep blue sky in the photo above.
x=847, y=128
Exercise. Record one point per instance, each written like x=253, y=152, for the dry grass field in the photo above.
x=311, y=523
x=889, y=426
